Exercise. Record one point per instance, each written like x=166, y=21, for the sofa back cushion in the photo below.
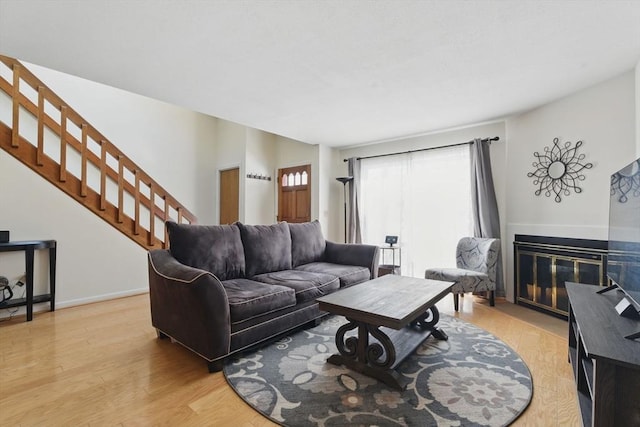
x=267, y=248
x=215, y=248
x=307, y=243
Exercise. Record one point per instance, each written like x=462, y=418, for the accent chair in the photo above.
x=476, y=261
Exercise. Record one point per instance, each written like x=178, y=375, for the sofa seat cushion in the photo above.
x=348, y=274
x=248, y=298
x=306, y=284
x=267, y=248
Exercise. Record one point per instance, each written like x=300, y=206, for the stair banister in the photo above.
x=32, y=154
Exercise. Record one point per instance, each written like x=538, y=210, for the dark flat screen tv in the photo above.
x=623, y=257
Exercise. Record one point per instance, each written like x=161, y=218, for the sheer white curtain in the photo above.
x=424, y=198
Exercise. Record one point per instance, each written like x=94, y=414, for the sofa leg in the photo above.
x=161, y=335
x=315, y=322
x=215, y=366
x=492, y=298
x=455, y=302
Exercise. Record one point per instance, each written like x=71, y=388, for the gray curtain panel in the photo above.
x=354, y=232
x=486, y=219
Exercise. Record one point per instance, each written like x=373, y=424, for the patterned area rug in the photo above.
x=473, y=379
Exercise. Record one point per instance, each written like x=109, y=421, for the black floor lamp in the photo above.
x=344, y=180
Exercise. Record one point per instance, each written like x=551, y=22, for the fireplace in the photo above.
x=542, y=266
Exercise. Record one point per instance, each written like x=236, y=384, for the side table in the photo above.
x=29, y=248
x=393, y=268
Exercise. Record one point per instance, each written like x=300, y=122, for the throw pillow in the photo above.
x=215, y=248
x=267, y=248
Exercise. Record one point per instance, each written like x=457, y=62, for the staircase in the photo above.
x=72, y=155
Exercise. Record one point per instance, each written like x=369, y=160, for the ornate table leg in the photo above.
x=373, y=359
x=429, y=321
x=378, y=359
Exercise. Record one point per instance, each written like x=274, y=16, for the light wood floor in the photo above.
x=101, y=364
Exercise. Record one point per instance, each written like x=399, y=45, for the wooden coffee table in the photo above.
x=393, y=315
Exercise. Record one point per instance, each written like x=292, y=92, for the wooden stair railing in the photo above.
x=88, y=167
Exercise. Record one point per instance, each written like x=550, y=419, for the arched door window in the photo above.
x=294, y=194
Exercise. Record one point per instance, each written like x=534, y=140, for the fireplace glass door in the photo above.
x=542, y=269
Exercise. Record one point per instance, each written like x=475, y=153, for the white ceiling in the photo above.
x=333, y=72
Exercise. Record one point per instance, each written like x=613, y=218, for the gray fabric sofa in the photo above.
x=220, y=289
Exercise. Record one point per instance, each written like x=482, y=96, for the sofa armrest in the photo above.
x=189, y=305
x=353, y=254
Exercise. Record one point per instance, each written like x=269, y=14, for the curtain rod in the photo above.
x=495, y=138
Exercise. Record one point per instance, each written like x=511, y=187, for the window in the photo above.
x=291, y=180
x=424, y=198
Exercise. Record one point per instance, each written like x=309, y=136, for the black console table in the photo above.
x=606, y=365
x=29, y=248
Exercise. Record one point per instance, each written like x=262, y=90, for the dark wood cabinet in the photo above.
x=543, y=265
x=606, y=365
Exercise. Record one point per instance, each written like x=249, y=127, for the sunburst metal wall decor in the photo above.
x=558, y=170
x=626, y=182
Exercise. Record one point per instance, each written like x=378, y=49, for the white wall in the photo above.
x=149, y=132
x=325, y=206
x=172, y=144
x=94, y=261
x=330, y=194
x=258, y=152
x=637, y=109
x=260, y=195
x=185, y=151
x=230, y=150
x=603, y=117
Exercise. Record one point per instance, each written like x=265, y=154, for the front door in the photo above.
x=229, y=195
x=294, y=194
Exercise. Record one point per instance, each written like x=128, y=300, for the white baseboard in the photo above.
x=42, y=307
x=98, y=298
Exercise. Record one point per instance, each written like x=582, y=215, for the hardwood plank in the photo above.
x=101, y=364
